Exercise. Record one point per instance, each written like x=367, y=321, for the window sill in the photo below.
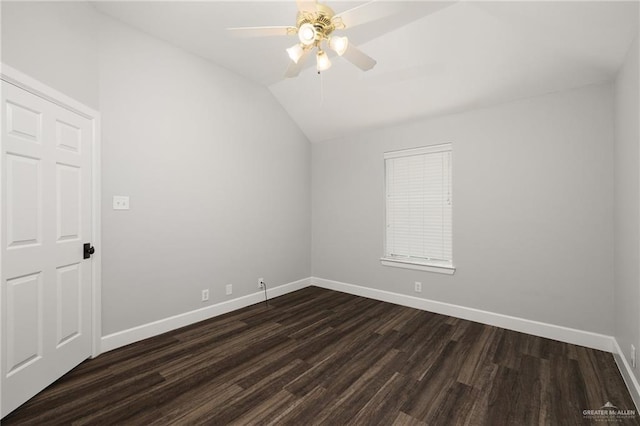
x=429, y=267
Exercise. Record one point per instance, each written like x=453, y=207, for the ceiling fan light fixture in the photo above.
x=322, y=61
x=307, y=34
x=339, y=44
x=295, y=52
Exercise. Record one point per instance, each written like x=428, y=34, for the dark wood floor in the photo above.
x=322, y=357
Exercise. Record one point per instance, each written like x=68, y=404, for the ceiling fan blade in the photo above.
x=306, y=5
x=245, y=32
x=367, y=12
x=295, y=68
x=358, y=58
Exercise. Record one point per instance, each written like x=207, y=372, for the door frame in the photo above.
x=31, y=85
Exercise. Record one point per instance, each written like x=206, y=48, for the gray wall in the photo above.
x=218, y=174
x=627, y=206
x=54, y=42
x=219, y=182
x=533, y=209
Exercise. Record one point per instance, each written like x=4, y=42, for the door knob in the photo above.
x=88, y=250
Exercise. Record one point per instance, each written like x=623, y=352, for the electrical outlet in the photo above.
x=633, y=356
x=205, y=295
x=260, y=282
x=418, y=287
x=229, y=289
x=121, y=202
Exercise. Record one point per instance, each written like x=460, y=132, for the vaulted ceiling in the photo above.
x=433, y=57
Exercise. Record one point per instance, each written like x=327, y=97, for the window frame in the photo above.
x=429, y=265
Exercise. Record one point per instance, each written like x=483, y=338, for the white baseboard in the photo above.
x=627, y=373
x=141, y=332
x=564, y=334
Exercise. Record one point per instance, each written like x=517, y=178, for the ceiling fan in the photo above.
x=315, y=26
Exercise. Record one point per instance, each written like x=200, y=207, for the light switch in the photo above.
x=121, y=202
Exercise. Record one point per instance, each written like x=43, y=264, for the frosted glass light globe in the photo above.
x=307, y=34
x=339, y=44
x=322, y=61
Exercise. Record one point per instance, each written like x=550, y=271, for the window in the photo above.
x=418, y=232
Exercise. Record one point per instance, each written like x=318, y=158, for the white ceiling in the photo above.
x=433, y=57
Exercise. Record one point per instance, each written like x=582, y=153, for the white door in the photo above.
x=46, y=218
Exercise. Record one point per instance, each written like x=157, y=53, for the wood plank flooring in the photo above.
x=322, y=357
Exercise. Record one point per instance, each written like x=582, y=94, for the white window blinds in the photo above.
x=419, y=205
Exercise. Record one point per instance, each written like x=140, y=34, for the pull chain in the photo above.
x=321, y=88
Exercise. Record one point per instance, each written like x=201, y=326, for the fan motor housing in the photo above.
x=321, y=20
